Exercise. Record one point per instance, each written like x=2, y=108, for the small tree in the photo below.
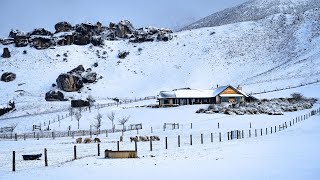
x=123, y=120
x=98, y=122
x=111, y=117
x=297, y=96
x=71, y=112
x=13, y=126
x=78, y=117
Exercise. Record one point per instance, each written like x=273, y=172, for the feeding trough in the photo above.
x=31, y=156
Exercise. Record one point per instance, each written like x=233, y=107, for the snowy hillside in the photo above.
x=278, y=51
x=254, y=10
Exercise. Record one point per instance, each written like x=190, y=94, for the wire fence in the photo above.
x=286, y=88
x=75, y=152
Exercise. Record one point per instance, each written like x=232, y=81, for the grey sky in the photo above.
x=26, y=15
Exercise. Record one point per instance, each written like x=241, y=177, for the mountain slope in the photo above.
x=278, y=51
x=254, y=10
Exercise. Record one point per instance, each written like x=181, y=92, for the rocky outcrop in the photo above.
x=84, y=34
x=54, y=96
x=6, y=53
x=79, y=103
x=8, y=76
x=69, y=82
x=62, y=27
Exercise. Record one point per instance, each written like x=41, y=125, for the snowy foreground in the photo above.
x=289, y=154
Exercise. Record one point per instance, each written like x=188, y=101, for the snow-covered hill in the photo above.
x=254, y=10
x=277, y=51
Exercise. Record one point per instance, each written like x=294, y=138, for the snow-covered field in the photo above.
x=289, y=154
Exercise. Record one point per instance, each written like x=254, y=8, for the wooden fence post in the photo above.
x=13, y=161
x=271, y=129
x=220, y=136
x=15, y=137
x=75, y=152
x=275, y=129
x=45, y=157
x=191, y=125
x=255, y=132
x=166, y=142
x=266, y=131
x=151, y=130
x=231, y=135
x=218, y=125
x=135, y=146
x=98, y=149
x=279, y=127
x=249, y=133
x=118, y=146
x=211, y=137
x=286, y=124
x=150, y=144
x=290, y=123
x=178, y=140
x=201, y=138
x=261, y=132
x=242, y=134
x=228, y=136
x=191, y=140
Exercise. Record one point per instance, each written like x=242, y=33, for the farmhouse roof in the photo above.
x=196, y=93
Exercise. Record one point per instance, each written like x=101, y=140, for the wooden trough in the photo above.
x=120, y=154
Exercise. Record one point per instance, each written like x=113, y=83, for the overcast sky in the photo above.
x=26, y=15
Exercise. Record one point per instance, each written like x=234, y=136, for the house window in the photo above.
x=238, y=99
x=166, y=101
x=224, y=99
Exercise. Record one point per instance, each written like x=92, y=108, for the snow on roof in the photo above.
x=197, y=93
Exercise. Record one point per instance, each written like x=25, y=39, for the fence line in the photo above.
x=281, y=89
x=231, y=135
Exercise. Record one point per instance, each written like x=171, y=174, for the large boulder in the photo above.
x=89, y=77
x=82, y=39
x=69, y=82
x=54, y=96
x=41, y=32
x=8, y=76
x=79, y=103
x=122, y=29
x=41, y=42
x=21, y=41
x=14, y=33
x=63, y=27
x=6, y=53
x=78, y=70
